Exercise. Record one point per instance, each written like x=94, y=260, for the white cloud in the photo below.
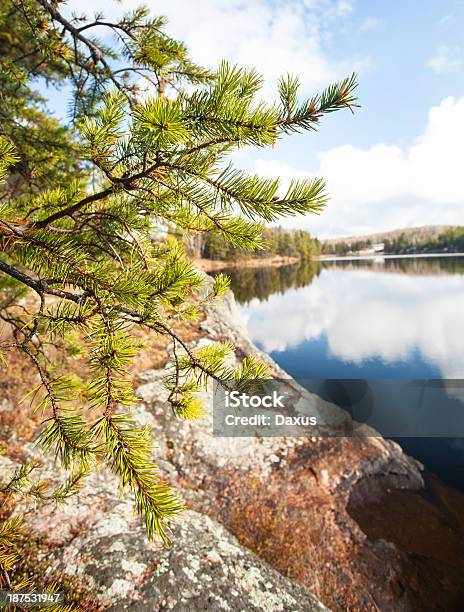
x=369, y=24
x=275, y=36
x=342, y=8
x=446, y=19
x=387, y=186
x=446, y=60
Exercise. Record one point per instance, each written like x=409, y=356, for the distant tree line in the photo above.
x=277, y=241
x=344, y=248
x=449, y=241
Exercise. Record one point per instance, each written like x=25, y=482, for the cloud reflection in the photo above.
x=367, y=314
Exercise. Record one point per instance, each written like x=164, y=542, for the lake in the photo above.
x=382, y=337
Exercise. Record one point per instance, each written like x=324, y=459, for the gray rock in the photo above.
x=206, y=569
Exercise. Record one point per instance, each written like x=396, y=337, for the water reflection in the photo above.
x=260, y=283
x=377, y=320
x=407, y=311
x=427, y=265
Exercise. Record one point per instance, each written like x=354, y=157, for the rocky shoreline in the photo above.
x=324, y=516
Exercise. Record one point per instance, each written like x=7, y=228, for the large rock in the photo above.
x=304, y=504
x=97, y=542
x=206, y=568
x=295, y=500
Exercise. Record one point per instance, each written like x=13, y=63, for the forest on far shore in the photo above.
x=282, y=242
x=449, y=241
x=277, y=242
x=408, y=242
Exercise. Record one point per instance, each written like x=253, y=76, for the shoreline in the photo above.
x=380, y=256
x=209, y=265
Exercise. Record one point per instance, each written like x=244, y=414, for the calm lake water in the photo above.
x=389, y=330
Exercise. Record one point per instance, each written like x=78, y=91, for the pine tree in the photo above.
x=147, y=146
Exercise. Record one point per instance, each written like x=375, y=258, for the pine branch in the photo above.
x=80, y=217
x=129, y=452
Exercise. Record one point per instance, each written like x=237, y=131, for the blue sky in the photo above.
x=397, y=87
x=398, y=161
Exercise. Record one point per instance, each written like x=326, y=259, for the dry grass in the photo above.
x=292, y=529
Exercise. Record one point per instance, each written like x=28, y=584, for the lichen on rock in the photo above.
x=129, y=573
